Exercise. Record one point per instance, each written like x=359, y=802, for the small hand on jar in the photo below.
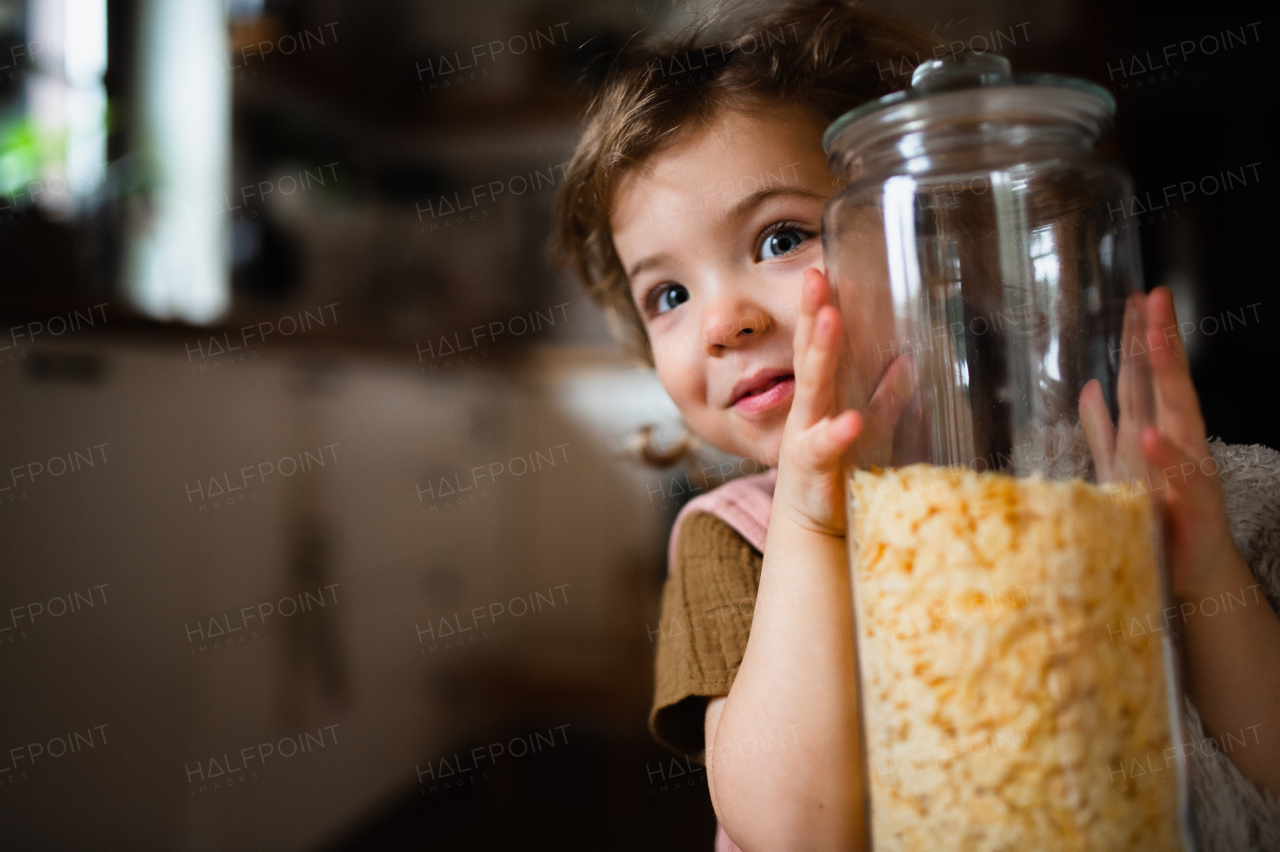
x=1178, y=463
x=817, y=432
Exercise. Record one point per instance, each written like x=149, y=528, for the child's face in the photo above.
x=715, y=233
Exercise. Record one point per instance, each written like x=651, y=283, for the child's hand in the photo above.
x=810, y=486
x=1175, y=448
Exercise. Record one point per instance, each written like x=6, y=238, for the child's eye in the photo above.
x=665, y=297
x=781, y=239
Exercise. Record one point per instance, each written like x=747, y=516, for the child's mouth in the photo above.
x=772, y=393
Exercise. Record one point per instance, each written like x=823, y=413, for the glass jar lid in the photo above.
x=972, y=88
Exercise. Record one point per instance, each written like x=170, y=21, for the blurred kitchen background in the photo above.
x=292, y=559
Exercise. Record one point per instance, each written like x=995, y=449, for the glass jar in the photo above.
x=1017, y=680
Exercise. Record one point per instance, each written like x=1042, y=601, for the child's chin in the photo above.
x=765, y=453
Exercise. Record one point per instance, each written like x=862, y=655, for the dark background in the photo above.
x=400, y=280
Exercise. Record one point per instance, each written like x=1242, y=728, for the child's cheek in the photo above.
x=680, y=380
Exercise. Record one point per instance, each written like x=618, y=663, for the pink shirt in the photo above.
x=743, y=504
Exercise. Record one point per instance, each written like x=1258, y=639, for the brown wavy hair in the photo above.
x=824, y=56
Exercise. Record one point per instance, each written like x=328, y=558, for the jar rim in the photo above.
x=1025, y=99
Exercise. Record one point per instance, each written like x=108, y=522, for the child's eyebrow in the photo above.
x=760, y=196
x=646, y=262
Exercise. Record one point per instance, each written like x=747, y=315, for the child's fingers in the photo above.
x=1162, y=324
x=816, y=369
x=827, y=440
x=812, y=298
x=1191, y=493
x=1198, y=529
x=1098, y=430
x=1188, y=481
x=1129, y=397
x=1177, y=405
x=893, y=393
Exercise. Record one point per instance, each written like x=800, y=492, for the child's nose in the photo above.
x=733, y=322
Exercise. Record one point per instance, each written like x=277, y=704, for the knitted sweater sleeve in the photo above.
x=707, y=605
x=1231, y=814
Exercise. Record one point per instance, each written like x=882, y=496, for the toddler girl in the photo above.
x=692, y=211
